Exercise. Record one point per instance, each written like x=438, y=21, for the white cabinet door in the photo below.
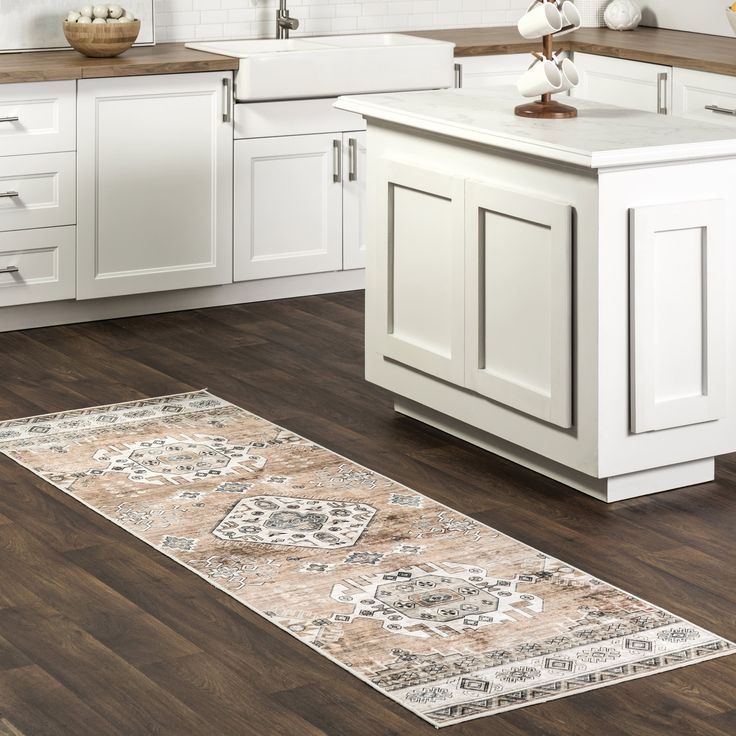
x=679, y=308
x=288, y=206
x=704, y=96
x=420, y=260
x=492, y=71
x=154, y=202
x=632, y=84
x=519, y=301
x=354, y=198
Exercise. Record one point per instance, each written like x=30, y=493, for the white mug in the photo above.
x=541, y=20
x=570, y=17
x=542, y=78
x=569, y=72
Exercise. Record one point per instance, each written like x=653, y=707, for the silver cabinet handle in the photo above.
x=9, y=193
x=227, y=100
x=353, y=150
x=458, y=76
x=722, y=110
x=10, y=119
x=9, y=269
x=337, y=161
x=662, y=93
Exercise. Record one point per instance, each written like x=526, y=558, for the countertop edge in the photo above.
x=64, y=65
x=596, y=160
x=472, y=135
x=699, y=52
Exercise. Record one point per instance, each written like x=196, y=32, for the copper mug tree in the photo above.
x=546, y=107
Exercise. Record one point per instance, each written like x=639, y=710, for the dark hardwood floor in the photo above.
x=100, y=634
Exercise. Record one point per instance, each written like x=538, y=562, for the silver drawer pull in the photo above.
x=722, y=110
x=337, y=161
x=353, y=149
x=10, y=193
x=9, y=269
x=10, y=119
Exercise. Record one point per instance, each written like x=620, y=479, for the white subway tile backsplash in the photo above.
x=182, y=20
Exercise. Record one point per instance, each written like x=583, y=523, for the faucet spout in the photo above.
x=284, y=22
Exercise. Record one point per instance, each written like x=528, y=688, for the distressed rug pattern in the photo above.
x=448, y=617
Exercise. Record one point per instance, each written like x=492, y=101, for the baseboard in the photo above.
x=46, y=314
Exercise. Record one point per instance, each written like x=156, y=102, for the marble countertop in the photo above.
x=602, y=136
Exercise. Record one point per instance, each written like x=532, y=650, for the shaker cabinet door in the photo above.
x=154, y=184
x=519, y=301
x=288, y=206
x=420, y=262
x=678, y=312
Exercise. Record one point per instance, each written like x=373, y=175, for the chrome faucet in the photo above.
x=284, y=23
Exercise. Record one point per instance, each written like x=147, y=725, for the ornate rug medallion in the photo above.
x=446, y=616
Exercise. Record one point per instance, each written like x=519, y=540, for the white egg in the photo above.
x=73, y=16
x=86, y=11
x=84, y=19
x=115, y=11
x=100, y=11
x=99, y=20
x=112, y=20
x=125, y=19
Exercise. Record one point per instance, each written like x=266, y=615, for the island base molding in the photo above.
x=615, y=488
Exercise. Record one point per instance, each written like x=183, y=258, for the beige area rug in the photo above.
x=448, y=617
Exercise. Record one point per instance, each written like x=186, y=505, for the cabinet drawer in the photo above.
x=37, y=191
x=37, y=117
x=705, y=96
x=37, y=265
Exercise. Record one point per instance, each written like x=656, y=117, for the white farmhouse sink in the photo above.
x=329, y=66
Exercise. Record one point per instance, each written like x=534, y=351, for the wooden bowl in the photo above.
x=102, y=39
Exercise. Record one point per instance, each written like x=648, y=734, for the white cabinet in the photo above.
x=704, y=96
x=679, y=311
x=631, y=84
x=465, y=269
x=299, y=189
x=37, y=118
x=518, y=263
x=299, y=204
x=154, y=184
x=492, y=71
x=36, y=265
x=421, y=287
x=37, y=190
x=288, y=206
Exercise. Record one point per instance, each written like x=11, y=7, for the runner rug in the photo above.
x=448, y=617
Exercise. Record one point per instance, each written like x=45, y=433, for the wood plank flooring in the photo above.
x=100, y=634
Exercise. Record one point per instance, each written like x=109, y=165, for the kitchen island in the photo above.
x=558, y=292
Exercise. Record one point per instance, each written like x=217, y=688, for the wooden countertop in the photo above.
x=167, y=58
x=671, y=48
x=659, y=46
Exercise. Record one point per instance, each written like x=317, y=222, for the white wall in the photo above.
x=180, y=20
x=702, y=16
